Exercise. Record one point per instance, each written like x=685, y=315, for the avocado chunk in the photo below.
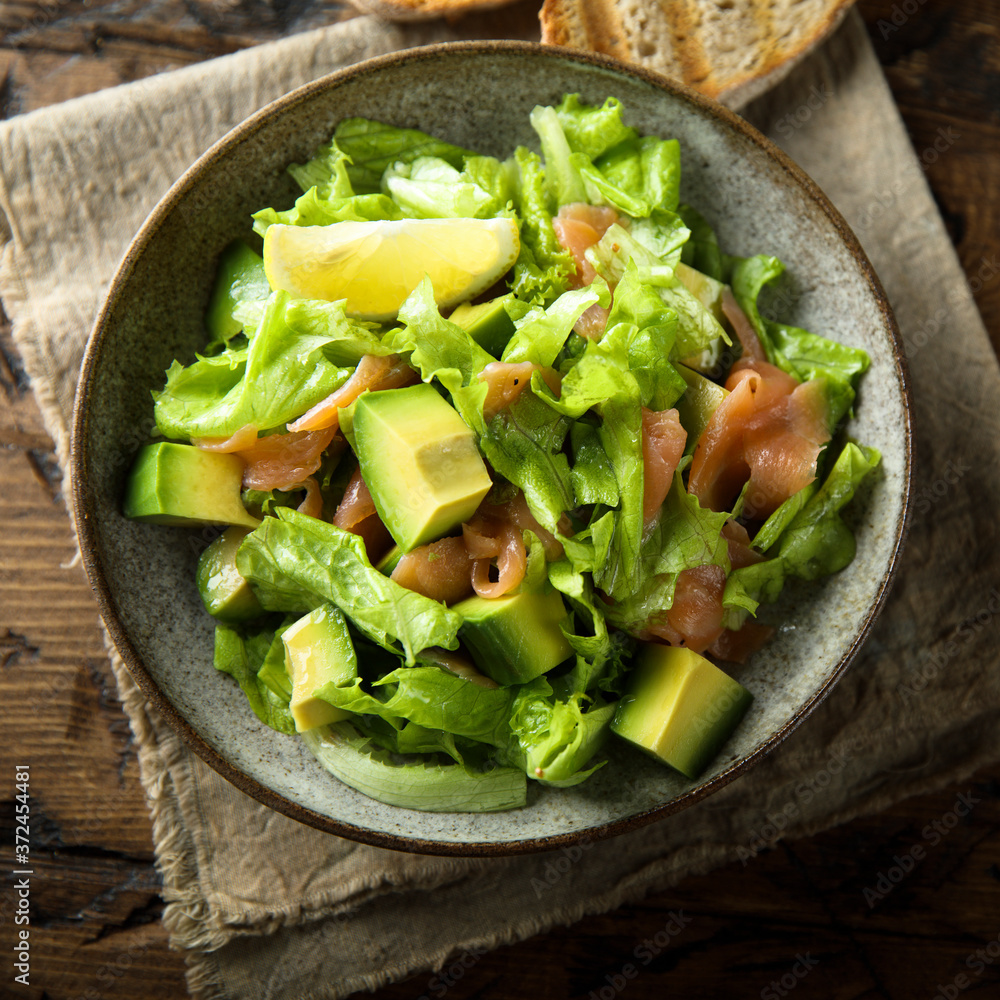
x=420, y=461
x=225, y=592
x=679, y=708
x=318, y=651
x=699, y=402
x=180, y=485
x=514, y=639
x=239, y=279
x=273, y=673
x=488, y=323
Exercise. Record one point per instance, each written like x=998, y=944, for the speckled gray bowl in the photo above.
x=477, y=95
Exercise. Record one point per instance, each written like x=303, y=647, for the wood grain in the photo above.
x=796, y=917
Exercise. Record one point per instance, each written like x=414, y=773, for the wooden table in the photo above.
x=796, y=917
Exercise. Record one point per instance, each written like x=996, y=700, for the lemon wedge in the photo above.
x=375, y=265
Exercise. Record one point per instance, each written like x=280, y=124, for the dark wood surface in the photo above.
x=796, y=917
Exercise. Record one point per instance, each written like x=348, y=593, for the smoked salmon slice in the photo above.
x=578, y=227
x=283, y=461
x=767, y=432
x=505, y=383
x=440, y=570
x=663, y=441
x=694, y=619
x=356, y=513
x=373, y=373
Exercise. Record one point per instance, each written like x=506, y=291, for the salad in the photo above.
x=504, y=457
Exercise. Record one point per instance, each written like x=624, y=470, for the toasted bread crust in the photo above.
x=729, y=51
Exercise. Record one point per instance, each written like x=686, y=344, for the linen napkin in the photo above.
x=266, y=908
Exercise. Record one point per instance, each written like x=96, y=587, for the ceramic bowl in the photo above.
x=477, y=95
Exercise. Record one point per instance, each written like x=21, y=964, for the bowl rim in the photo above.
x=84, y=503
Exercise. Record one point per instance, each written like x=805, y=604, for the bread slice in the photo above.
x=730, y=50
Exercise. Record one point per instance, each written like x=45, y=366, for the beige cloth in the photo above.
x=270, y=909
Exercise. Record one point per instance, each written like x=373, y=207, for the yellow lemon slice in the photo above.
x=375, y=265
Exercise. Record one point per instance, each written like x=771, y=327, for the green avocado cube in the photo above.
x=180, y=485
x=488, y=323
x=224, y=590
x=420, y=462
x=679, y=708
x=240, y=277
x=318, y=651
x=514, y=639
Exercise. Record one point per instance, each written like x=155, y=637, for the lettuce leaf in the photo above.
x=524, y=444
x=312, y=210
x=541, y=333
x=326, y=172
x=557, y=736
x=802, y=354
x=431, y=188
x=439, y=348
x=601, y=657
x=647, y=169
x=299, y=555
x=241, y=655
x=543, y=267
x=590, y=129
x=371, y=147
x=702, y=249
x=818, y=542
x=282, y=373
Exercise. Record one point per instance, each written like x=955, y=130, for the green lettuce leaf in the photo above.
x=802, y=354
x=563, y=182
x=541, y=333
x=241, y=655
x=312, y=210
x=524, y=444
x=818, y=542
x=593, y=130
x=298, y=555
x=439, y=348
x=558, y=737
x=602, y=657
x=326, y=172
x=648, y=169
x=371, y=147
x=431, y=188
x=702, y=249
x=543, y=267
x=277, y=378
